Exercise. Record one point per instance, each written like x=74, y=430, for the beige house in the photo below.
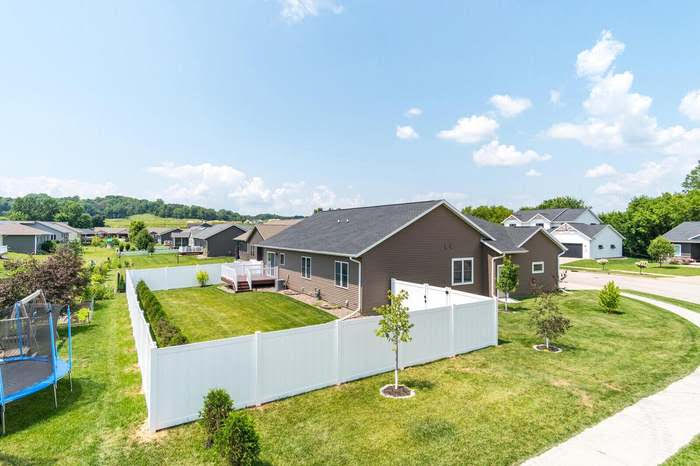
x=259, y=233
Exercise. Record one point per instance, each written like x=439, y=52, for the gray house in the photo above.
x=218, y=239
x=163, y=235
x=19, y=237
x=686, y=240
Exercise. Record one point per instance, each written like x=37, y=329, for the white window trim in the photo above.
x=533, y=267
x=452, y=270
x=283, y=259
x=341, y=274
x=302, y=267
x=677, y=250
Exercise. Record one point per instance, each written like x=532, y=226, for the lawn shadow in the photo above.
x=418, y=384
x=19, y=461
x=503, y=342
x=39, y=407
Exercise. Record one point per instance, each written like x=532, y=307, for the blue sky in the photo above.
x=288, y=105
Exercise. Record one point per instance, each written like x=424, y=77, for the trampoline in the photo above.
x=29, y=359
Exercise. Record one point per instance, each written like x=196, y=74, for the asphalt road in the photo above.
x=685, y=288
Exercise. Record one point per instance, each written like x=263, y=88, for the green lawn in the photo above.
x=153, y=221
x=678, y=302
x=209, y=313
x=494, y=406
x=690, y=455
x=627, y=265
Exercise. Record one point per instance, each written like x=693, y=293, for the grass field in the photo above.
x=209, y=313
x=153, y=221
x=627, y=265
x=678, y=302
x=494, y=406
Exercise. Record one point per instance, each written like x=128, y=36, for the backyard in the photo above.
x=495, y=406
x=209, y=313
x=627, y=265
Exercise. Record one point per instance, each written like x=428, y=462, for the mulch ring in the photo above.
x=551, y=349
x=388, y=391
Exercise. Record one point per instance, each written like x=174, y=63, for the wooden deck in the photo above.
x=259, y=281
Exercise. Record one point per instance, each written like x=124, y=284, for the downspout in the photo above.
x=494, y=292
x=359, y=287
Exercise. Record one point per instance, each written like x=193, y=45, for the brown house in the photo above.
x=349, y=256
x=258, y=234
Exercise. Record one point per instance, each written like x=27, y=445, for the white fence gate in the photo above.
x=263, y=367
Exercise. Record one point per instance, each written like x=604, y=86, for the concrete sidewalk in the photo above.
x=645, y=433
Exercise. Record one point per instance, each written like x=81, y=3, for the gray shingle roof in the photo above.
x=348, y=232
x=559, y=215
x=684, y=232
x=214, y=230
x=506, y=239
x=10, y=228
x=586, y=229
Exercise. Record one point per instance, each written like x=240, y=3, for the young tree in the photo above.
x=642, y=265
x=135, y=227
x=660, y=249
x=217, y=406
x=142, y=240
x=202, y=278
x=394, y=326
x=609, y=297
x=492, y=213
x=692, y=179
x=548, y=321
x=508, y=278
x=603, y=262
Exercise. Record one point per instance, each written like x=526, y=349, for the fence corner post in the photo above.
x=495, y=320
x=337, y=352
x=453, y=352
x=256, y=366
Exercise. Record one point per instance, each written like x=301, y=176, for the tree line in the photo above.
x=86, y=213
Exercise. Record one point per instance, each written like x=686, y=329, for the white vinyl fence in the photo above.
x=263, y=367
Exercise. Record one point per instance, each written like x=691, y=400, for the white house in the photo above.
x=580, y=230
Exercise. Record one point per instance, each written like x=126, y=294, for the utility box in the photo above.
x=280, y=285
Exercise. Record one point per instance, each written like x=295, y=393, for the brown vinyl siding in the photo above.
x=322, y=276
x=540, y=249
x=423, y=253
x=249, y=253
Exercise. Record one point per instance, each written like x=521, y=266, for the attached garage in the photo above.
x=573, y=250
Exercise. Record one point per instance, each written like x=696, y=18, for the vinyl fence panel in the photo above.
x=362, y=352
x=431, y=337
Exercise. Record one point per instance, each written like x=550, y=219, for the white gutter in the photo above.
x=493, y=271
x=359, y=284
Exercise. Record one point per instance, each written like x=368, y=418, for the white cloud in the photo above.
x=645, y=180
x=295, y=11
x=414, y=112
x=470, y=129
x=406, y=132
x=554, y=97
x=603, y=169
x=502, y=155
x=596, y=61
x=533, y=172
x=11, y=186
x=510, y=106
x=208, y=184
x=690, y=105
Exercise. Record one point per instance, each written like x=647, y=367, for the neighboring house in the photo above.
x=580, y=230
x=182, y=237
x=686, y=240
x=18, y=237
x=163, y=235
x=349, y=256
x=85, y=234
x=109, y=232
x=56, y=231
x=259, y=233
x=218, y=239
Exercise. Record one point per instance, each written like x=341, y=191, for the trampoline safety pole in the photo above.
x=53, y=354
x=19, y=328
x=70, y=352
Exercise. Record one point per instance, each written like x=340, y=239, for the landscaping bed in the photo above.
x=494, y=406
x=209, y=313
x=627, y=265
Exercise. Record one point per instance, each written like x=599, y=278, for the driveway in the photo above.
x=685, y=288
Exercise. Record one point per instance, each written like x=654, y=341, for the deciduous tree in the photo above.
x=660, y=249
x=508, y=278
x=394, y=325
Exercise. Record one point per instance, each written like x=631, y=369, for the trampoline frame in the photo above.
x=61, y=367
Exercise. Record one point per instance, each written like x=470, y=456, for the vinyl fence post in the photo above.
x=453, y=353
x=256, y=365
x=152, y=386
x=426, y=295
x=495, y=321
x=337, y=352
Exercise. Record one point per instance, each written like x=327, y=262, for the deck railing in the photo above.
x=190, y=249
x=3, y=249
x=230, y=273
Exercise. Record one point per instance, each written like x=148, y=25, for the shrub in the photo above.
x=96, y=241
x=609, y=297
x=48, y=246
x=202, y=278
x=121, y=283
x=150, y=248
x=660, y=249
x=642, y=265
x=164, y=331
x=217, y=406
x=127, y=246
x=237, y=440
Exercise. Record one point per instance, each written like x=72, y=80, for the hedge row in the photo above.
x=165, y=332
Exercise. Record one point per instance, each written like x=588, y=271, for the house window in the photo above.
x=539, y=225
x=512, y=225
x=677, y=250
x=283, y=258
x=463, y=271
x=305, y=267
x=271, y=259
x=600, y=246
x=341, y=274
x=538, y=267
x=612, y=246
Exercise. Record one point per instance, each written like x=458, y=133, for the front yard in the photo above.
x=209, y=313
x=627, y=265
x=495, y=406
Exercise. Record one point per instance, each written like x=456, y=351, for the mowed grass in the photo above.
x=153, y=221
x=690, y=455
x=495, y=406
x=678, y=302
x=627, y=265
x=209, y=313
